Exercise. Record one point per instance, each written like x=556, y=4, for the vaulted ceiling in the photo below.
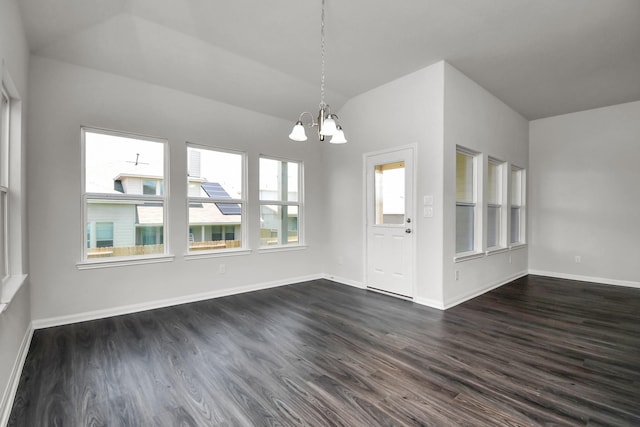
x=541, y=57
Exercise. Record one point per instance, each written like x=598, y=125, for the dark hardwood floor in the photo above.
x=538, y=351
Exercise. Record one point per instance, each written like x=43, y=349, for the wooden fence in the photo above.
x=125, y=251
x=215, y=244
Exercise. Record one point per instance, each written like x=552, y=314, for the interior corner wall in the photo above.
x=477, y=120
x=65, y=97
x=399, y=113
x=16, y=320
x=584, y=195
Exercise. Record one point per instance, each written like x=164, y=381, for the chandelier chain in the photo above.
x=322, y=54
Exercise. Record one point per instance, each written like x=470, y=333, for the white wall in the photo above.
x=585, y=199
x=65, y=97
x=402, y=112
x=15, y=321
x=477, y=120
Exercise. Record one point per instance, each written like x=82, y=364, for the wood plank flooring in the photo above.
x=538, y=351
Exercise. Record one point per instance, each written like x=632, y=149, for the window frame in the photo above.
x=299, y=204
x=86, y=262
x=501, y=238
x=5, y=142
x=243, y=202
x=475, y=204
x=12, y=160
x=521, y=206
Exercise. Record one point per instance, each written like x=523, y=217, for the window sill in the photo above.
x=282, y=248
x=9, y=289
x=467, y=256
x=495, y=251
x=121, y=262
x=212, y=254
x=517, y=246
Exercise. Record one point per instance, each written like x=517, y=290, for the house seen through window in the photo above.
x=216, y=199
x=280, y=202
x=124, y=200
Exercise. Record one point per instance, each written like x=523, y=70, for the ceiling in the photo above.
x=541, y=57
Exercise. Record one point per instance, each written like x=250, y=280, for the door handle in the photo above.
x=408, y=231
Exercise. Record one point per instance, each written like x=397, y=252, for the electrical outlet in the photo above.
x=577, y=259
x=340, y=260
x=457, y=275
x=222, y=268
x=510, y=260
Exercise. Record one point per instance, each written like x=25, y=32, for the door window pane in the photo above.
x=389, y=193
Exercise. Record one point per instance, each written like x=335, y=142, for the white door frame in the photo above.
x=414, y=150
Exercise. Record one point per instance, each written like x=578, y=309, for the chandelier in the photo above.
x=327, y=122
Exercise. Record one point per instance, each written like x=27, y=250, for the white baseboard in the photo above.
x=601, y=280
x=9, y=394
x=433, y=303
x=134, y=308
x=344, y=281
x=475, y=293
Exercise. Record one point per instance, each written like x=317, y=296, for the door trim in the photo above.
x=414, y=154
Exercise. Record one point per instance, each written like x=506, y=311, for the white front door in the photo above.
x=390, y=246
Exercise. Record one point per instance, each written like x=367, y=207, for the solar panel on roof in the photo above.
x=215, y=191
x=229, y=208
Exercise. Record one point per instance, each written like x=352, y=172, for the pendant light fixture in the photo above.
x=327, y=122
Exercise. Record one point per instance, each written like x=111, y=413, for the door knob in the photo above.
x=408, y=231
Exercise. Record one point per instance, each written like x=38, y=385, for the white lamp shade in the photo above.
x=338, y=137
x=298, y=133
x=329, y=126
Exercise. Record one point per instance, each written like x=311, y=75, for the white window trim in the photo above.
x=5, y=166
x=502, y=197
x=301, y=244
x=522, y=239
x=85, y=262
x=478, y=217
x=16, y=277
x=244, y=249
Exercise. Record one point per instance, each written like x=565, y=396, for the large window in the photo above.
x=216, y=199
x=123, y=195
x=494, y=204
x=517, y=231
x=11, y=176
x=280, y=202
x=4, y=183
x=465, y=201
